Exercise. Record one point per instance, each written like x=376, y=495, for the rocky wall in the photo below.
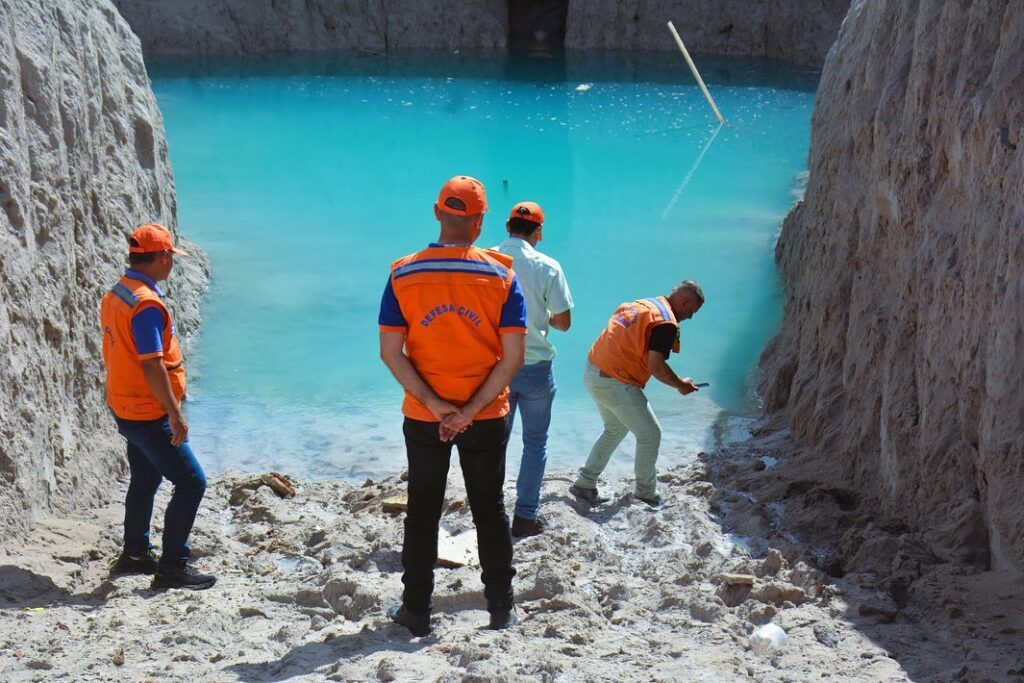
x=83, y=159
x=793, y=30
x=901, y=354
x=798, y=31
x=234, y=27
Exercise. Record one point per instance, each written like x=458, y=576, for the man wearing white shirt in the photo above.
x=548, y=304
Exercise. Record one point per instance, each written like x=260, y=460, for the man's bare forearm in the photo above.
x=560, y=321
x=499, y=377
x=404, y=371
x=664, y=374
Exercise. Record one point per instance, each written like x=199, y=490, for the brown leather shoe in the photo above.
x=526, y=527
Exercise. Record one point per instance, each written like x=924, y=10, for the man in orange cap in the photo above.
x=145, y=385
x=633, y=347
x=548, y=304
x=452, y=331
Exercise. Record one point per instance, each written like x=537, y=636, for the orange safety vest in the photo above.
x=128, y=395
x=621, y=349
x=451, y=298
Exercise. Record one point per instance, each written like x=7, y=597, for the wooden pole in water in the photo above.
x=693, y=69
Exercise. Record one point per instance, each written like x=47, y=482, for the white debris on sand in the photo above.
x=622, y=592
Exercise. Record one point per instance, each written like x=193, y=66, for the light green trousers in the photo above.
x=623, y=408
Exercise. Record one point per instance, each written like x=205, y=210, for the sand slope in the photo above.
x=620, y=593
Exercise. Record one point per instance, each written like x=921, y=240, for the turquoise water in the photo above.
x=303, y=178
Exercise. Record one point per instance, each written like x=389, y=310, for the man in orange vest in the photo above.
x=633, y=347
x=145, y=385
x=453, y=333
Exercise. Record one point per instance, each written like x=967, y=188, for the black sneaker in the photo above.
x=182, y=576
x=526, y=527
x=587, y=495
x=127, y=563
x=418, y=625
x=652, y=500
x=502, y=619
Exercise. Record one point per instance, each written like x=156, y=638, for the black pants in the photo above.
x=482, y=456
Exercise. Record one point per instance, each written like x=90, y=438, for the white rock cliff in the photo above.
x=798, y=31
x=902, y=347
x=82, y=160
x=794, y=30
x=232, y=27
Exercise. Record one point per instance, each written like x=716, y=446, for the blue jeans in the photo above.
x=151, y=458
x=533, y=392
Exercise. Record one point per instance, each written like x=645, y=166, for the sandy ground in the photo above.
x=622, y=592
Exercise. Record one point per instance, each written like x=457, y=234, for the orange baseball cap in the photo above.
x=150, y=238
x=528, y=211
x=462, y=196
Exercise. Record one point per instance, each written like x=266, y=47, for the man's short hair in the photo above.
x=141, y=259
x=693, y=287
x=458, y=223
x=521, y=226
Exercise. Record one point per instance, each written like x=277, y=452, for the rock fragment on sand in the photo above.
x=276, y=481
x=702, y=489
x=735, y=579
x=396, y=503
x=772, y=564
x=706, y=611
x=762, y=614
x=386, y=670
x=349, y=597
x=879, y=607
x=825, y=635
x=778, y=593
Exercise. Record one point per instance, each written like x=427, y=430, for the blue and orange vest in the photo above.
x=621, y=349
x=451, y=298
x=128, y=395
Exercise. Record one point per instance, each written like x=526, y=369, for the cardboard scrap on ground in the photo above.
x=456, y=551
x=279, y=483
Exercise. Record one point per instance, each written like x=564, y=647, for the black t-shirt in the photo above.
x=663, y=338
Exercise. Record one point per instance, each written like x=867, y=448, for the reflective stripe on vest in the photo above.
x=451, y=266
x=451, y=298
x=621, y=349
x=125, y=295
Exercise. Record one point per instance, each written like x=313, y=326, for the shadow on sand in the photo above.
x=939, y=621
x=308, y=658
